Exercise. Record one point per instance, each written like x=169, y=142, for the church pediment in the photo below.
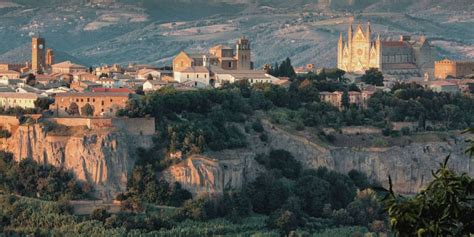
x=359, y=35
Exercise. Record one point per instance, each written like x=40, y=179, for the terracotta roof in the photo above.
x=19, y=95
x=68, y=64
x=93, y=94
x=9, y=72
x=112, y=90
x=394, y=44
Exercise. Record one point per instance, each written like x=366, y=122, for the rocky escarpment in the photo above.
x=409, y=166
x=102, y=158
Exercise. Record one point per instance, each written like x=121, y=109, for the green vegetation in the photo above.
x=28, y=178
x=444, y=208
x=4, y=133
x=373, y=77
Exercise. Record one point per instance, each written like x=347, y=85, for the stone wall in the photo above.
x=132, y=126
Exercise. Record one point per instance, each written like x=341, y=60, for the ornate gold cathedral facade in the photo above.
x=399, y=57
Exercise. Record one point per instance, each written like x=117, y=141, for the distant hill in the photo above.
x=153, y=31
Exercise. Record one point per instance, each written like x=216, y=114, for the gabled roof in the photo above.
x=68, y=64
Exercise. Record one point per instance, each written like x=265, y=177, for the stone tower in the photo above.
x=243, y=54
x=38, y=54
x=49, y=57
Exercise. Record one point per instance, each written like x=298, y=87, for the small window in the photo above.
x=111, y=100
x=197, y=75
x=88, y=100
x=103, y=104
x=93, y=100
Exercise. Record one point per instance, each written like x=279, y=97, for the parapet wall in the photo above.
x=134, y=126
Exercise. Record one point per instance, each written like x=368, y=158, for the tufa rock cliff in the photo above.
x=409, y=166
x=103, y=158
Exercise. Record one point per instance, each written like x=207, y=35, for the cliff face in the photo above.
x=409, y=166
x=102, y=158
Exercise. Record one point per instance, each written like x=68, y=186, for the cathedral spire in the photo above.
x=349, y=33
x=368, y=32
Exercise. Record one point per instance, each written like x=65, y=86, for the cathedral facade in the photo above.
x=404, y=57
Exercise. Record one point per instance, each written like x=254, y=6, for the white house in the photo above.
x=198, y=74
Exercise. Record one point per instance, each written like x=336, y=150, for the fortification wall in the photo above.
x=133, y=126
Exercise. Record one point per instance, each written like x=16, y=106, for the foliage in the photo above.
x=29, y=178
x=4, y=133
x=285, y=69
x=73, y=109
x=87, y=110
x=444, y=208
x=373, y=77
x=43, y=103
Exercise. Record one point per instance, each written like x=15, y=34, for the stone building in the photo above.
x=67, y=67
x=103, y=103
x=449, y=68
x=219, y=55
x=23, y=100
x=405, y=57
x=355, y=97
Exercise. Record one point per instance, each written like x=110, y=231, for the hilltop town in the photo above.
x=300, y=145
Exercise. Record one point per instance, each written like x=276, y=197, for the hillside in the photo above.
x=146, y=31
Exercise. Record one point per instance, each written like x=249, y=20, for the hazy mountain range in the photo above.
x=145, y=31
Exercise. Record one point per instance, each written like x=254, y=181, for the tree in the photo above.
x=149, y=77
x=450, y=113
x=73, y=109
x=285, y=221
x=345, y=102
x=31, y=79
x=43, y=103
x=373, y=77
x=87, y=110
x=444, y=208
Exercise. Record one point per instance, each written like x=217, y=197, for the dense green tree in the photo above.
x=373, y=77
x=313, y=192
x=345, y=102
x=444, y=208
x=87, y=110
x=73, y=109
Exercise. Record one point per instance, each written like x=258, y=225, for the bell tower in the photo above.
x=243, y=54
x=38, y=54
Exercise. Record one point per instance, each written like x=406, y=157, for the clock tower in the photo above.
x=38, y=54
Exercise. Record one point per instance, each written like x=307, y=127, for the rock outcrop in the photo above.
x=409, y=166
x=102, y=158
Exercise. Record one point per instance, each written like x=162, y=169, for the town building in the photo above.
x=153, y=85
x=456, y=69
x=198, y=74
x=67, y=67
x=10, y=74
x=403, y=57
x=22, y=100
x=444, y=86
x=84, y=85
x=222, y=77
x=103, y=103
x=220, y=55
x=355, y=97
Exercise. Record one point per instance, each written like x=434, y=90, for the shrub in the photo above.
x=4, y=133
x=263, y=137
x=257, y=126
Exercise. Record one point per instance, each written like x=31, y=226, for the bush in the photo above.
x=263, y=137
x=405, y=131
x=5, y=133
x=257, y=126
